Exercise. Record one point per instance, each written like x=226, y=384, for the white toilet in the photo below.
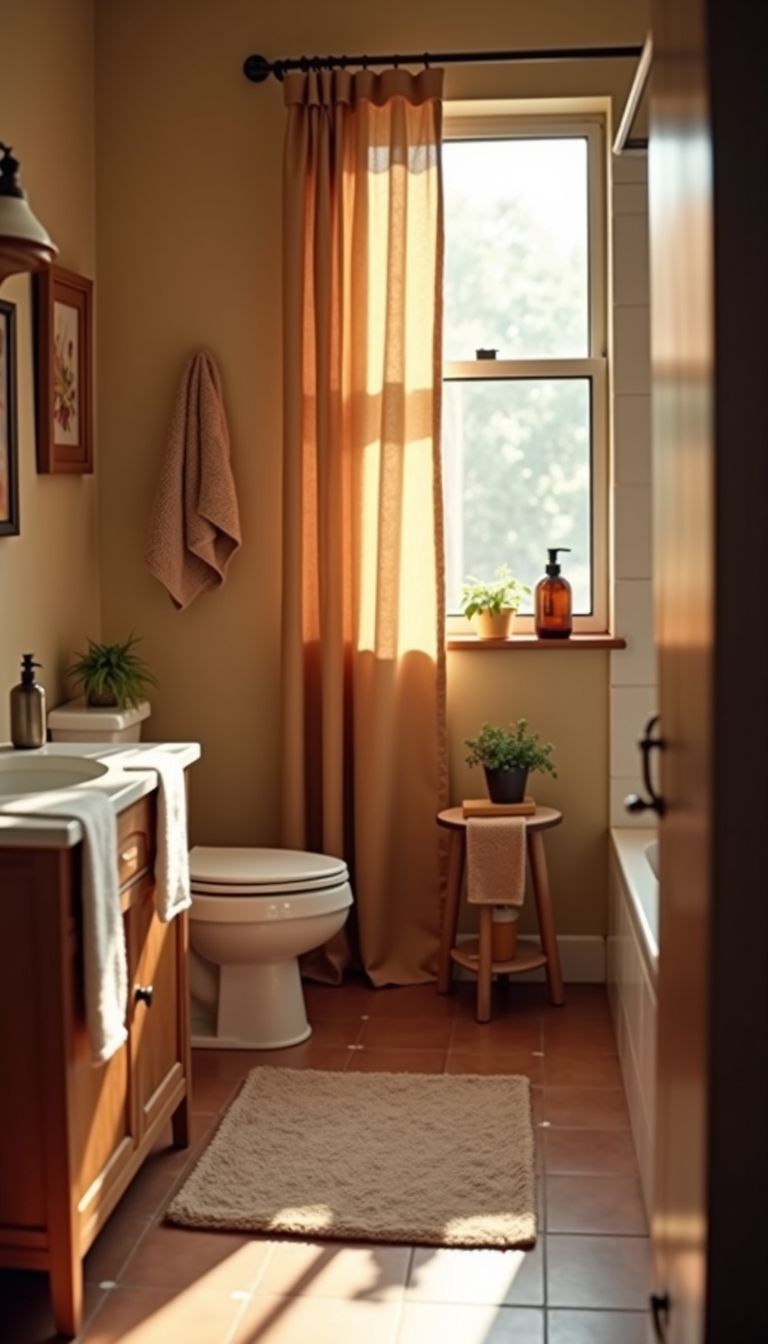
x=254, y=911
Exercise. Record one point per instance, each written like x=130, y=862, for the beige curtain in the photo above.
x=363, y=652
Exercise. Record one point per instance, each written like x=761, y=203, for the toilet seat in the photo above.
x=267, y=872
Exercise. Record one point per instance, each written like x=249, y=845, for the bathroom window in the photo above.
x=525, y=428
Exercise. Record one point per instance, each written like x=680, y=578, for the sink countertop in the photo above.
x=21, y=827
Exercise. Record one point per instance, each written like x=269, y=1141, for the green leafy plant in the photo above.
x=512, y=748
x=111, y=674
x=504, y=593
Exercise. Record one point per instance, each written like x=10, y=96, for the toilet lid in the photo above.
x=251, y=870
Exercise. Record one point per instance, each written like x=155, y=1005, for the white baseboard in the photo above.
x=582, y=959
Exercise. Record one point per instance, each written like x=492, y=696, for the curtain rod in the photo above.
x=257, y=68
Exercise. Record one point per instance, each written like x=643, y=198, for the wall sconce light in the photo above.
x=24, y=243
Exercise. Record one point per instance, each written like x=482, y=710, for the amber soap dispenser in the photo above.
x=554, y=601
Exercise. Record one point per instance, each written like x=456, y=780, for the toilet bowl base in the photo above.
x=259, y=1007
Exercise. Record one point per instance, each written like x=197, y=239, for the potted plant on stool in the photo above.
x=492, y=606
x=507, y=756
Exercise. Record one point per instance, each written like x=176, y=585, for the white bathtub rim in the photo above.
x=642, y=887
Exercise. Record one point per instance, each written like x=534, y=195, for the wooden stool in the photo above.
x=477, y=957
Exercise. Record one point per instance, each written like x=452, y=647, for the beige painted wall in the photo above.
x=188, y=221
x=49, y=574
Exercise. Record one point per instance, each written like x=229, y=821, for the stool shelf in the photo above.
x=468, y=953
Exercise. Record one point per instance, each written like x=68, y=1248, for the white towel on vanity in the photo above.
x=172, y=894
x=104, y=960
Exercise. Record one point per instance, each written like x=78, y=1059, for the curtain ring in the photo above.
x=396, y=62
x=365, y=62
x=425, y=58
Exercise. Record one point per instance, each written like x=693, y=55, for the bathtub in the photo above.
x=632, y=972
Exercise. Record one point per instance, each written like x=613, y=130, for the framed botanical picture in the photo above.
x=9, y=458
x=63, y=338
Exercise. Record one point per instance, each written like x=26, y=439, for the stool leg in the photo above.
x=484, y=965
x=540, y=877
x=451, y=911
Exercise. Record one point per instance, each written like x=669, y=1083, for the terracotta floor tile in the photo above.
x=195, y=1315
x=484, y=1278
x=410, y=1033
x=211, y=1092
x=336, y=1030
x=514, y=999
x=612, y=1205
x=598, y=1272
x=518, y=1062
x=572, y=1068
x=427, y=1323
x=586, y=1107
x=412, y=1001
x=151, y=1188
x=597, y=1327
x=397, y=1061
x=117, y=1240
x=316, y=1320
x=589, y=1152
x=591, y=1034
x=177, y=1256
x=25, y=1307
x=308, y=1055
x=501, y=1034
x=583, y=999
x=349, y=1000
x=333, y=1269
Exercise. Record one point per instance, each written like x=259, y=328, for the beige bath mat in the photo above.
x=437, y=1160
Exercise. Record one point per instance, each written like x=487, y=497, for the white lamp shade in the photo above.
x=24, y=243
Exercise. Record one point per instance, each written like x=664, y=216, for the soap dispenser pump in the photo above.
x=28, y=707
x=553, y=601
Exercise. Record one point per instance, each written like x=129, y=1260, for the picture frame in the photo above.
x=64, y=371
x=9, y=441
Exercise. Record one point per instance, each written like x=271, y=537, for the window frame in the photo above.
x=594, y=367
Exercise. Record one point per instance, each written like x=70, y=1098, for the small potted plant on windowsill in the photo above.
x=111, y=675
x=507, y=756
x=491, y=606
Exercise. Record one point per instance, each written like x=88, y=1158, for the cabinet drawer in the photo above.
x=136, y=840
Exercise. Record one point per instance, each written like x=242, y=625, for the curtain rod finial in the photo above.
x=257, y=69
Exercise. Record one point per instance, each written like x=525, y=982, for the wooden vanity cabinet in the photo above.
x=74, y=1134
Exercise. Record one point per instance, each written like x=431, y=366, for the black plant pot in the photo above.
x=506, y=786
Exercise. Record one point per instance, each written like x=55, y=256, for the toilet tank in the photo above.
x=77, y=722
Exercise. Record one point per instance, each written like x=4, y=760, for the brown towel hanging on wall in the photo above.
x=194, y=527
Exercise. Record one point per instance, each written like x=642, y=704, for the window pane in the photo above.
x=516, y=252
x=517, y=479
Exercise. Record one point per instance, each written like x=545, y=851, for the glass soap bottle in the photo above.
x=553, y=601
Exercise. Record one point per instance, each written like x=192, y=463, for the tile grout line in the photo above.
x=250, y=1298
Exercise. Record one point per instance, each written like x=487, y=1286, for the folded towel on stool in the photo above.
x=495, y=860
x=194, y=527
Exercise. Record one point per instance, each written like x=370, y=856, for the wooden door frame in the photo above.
x=723, y=45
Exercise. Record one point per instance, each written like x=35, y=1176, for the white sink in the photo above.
x=39, y=774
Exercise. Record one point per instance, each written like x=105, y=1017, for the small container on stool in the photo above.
x=504, y=932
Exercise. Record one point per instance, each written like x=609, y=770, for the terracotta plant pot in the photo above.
x=494, y=625
x=506, y=786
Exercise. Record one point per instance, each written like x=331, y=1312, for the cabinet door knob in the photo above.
x=144, y=994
